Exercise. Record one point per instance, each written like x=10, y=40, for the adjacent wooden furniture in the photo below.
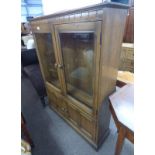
x=129, y=28
x=127, y=57
x=79, y=52
x=122, y=109
x=124, y=77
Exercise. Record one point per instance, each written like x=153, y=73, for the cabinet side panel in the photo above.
x=112, y=36
x=103, y=121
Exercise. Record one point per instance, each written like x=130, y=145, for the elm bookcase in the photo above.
x=79, y=53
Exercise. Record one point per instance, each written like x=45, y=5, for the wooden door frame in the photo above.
x=46, y=31
x=84, y=27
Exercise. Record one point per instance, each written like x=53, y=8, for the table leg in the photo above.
x=120, y=140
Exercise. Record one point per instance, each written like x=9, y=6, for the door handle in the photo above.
x=60, y=66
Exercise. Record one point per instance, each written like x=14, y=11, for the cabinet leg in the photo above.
x=120, y=141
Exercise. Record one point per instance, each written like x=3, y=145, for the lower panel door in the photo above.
x=80, y=120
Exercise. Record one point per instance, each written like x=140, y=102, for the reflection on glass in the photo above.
x=78, y=53
x=46, y=50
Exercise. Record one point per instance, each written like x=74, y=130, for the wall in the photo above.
x=50, y=6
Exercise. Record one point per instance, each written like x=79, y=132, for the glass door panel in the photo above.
x=48, y=61
x=78, y=57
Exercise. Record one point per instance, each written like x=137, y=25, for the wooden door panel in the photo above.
x=86, y=124
x=81, y=120
x=74, y=115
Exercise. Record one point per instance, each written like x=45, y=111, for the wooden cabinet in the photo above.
x=127, y=57
x=129, y=28
x=79, y=54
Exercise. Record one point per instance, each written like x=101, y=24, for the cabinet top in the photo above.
x=88, y=8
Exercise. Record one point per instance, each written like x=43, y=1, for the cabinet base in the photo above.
x=106, y=134
x=91, y=142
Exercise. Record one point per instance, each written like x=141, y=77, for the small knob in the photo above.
x=60, y=66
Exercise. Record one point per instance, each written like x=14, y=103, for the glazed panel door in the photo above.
x=46, y=51
x=78, y=46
